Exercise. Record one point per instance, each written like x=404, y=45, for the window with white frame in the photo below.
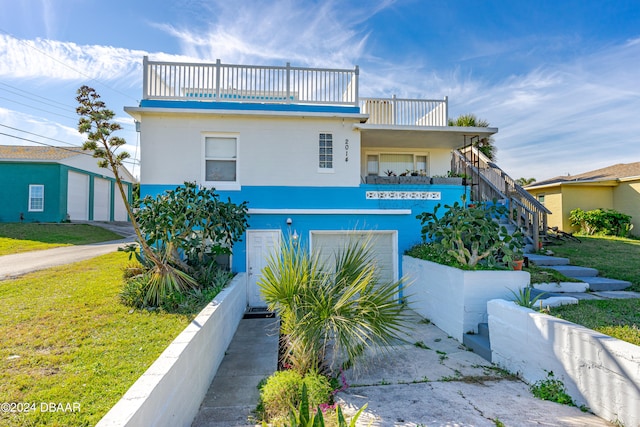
x=325, y=151
x=397, y=163
x=220, y=159
x=36, y=198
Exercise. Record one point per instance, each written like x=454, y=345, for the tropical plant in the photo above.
x=485, y=145
x=525, y=181
x=523, y=297
x=341, y=306
x=191, y=223
x=470, y=236
x=97, y=122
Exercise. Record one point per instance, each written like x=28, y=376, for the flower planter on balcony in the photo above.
x=439, y=180
x=398, y=180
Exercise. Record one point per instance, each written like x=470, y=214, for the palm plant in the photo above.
x=485, y=145
x=330, y=310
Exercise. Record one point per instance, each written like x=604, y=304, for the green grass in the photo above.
x=616, y=258
x=66, y=338
x=617, y=318
x=613, y=257
x=22, y=237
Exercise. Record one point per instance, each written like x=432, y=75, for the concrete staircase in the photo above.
x=586, y=274
x=601, y=287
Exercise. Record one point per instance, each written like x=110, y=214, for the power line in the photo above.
x=65, y=65
x=62, y=106
x=36, y=108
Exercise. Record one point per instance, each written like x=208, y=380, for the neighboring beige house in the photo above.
x=614, y=187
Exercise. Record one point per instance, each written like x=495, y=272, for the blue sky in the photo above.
x=560, y=79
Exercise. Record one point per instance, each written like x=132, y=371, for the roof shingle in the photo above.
x=25, y=152
x=619, y=171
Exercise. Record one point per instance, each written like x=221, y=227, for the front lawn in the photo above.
x=613, y=257
x=24, y=237
x=66, y=339
x=617, y=318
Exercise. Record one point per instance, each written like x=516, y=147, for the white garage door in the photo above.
x=78, y=196
x=384, y=246
x=120, y=211
x=101, y=200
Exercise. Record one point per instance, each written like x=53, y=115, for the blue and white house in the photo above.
x=308, y=153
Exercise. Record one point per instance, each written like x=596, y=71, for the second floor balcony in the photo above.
x=229, y=83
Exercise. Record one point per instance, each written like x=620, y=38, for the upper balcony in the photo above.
x=223, y=85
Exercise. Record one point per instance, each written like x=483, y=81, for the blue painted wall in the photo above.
x=16, y=177
x=14, y=191
x=407, y=225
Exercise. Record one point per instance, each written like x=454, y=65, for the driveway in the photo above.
x=18, y=264
x=433, y=380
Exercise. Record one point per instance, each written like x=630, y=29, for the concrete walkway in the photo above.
x=251, y=357
x=429, y=379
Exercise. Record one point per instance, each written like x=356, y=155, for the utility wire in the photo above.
x=61, y=106
x=66, y=66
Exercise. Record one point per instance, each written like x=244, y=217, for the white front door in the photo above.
x=260, y=245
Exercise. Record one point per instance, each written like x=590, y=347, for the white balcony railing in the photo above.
x=249, y=83
x=405, y=112
x=215, y=82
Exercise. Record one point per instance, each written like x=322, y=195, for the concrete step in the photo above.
x=575, y=271
x=483, y=330
x=478, y=344
x=605, y=284
x=546, y=260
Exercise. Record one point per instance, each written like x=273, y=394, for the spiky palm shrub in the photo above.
x=330, y=311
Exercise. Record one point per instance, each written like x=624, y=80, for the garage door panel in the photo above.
x=77, y=196
x=101, y=199
x=383, y=248
x=119, y=209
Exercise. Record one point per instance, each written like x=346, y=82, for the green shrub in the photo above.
x=283, y=390
x=608, y=222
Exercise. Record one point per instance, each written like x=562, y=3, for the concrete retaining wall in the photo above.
x=598, y=371
x=169, y=393
x=456, y=300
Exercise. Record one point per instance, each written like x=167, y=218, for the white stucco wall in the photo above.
x=271, y=150
x=598, y=371
x=456, y=300
x=169, y=393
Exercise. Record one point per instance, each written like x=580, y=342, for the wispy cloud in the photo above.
x=55, y=60
x=322, y=34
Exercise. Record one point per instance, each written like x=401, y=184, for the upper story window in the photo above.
x=36, y=198
x=541, y=198
x=221, y=159
x=325, y=151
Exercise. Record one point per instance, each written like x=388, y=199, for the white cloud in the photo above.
x=324, y=34
x=55, y=60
